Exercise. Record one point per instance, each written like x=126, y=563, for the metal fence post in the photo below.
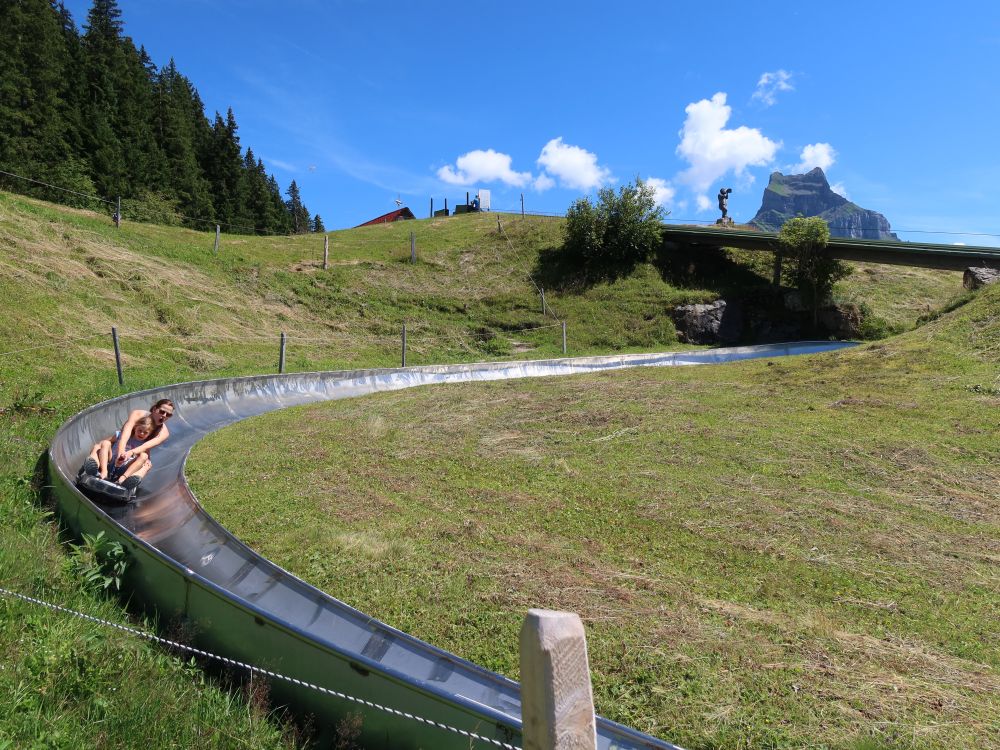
x=281, y=354
x=404, y=345
x=564, y=336
x=118, y=355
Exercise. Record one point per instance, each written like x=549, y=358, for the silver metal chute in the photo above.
x=184, y=565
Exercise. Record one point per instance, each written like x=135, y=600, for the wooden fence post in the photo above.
x=404, y=345
x=564, y=336
x=281, y=355
x=118, y=214
x=541, y=291
x=215, y=251
x=326, y=251
x=118, y=355
x=557, y=701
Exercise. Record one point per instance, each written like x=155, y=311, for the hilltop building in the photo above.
x=400, y=214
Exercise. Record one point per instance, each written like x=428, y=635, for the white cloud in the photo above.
x=770, y=84
x=814, y=155
x=840, y=190
x=543, y=182
x=713, y=151
x=573, y=166
x=703, y=203
x=483, y=166
x=663, y=191
x=282, y=165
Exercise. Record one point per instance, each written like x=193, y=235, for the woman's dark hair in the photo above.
x=157, y=405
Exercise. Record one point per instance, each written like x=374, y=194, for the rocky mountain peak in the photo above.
x=809, y=194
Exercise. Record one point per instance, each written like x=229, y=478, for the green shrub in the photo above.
x=815, y=272
x=610, y=239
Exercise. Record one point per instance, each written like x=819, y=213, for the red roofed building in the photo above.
x=398, y=215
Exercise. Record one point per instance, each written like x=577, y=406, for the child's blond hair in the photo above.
x=146, y=422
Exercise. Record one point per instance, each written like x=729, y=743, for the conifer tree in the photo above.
x=317, y=224
x=33, y=126
x=92, y=113
x=297, y=211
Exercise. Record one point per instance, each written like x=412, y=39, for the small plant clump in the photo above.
x=99, y=561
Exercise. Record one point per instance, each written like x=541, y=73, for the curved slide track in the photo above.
x=183, y=565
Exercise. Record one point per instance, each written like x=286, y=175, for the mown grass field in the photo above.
x=67, y=276
x=796, y=553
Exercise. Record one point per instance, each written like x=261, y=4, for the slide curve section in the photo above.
x=189, y=571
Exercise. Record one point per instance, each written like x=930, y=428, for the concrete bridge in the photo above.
x=926, y=255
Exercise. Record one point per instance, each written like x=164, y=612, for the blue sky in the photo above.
x=362, y=102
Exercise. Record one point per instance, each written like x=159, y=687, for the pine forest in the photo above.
x=87, y=118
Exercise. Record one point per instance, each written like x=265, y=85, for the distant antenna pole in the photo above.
x=326, y=251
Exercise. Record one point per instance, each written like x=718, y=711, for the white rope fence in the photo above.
x=253, y=669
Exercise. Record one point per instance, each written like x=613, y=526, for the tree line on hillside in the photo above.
x=93, y=114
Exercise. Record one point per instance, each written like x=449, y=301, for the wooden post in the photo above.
x=326, y=251
x=499, y=225
x=118, y=214
x=776, y=274
x=557, y=701
x=281, y=355
x=404, y=345
x=216, y=250
x=413, y=248
x=118, y=355
x=564, y=336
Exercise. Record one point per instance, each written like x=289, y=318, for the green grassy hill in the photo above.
x=67, y=276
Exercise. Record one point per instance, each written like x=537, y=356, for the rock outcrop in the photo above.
x=788, y=196
x=974, y=278
x=713, y=323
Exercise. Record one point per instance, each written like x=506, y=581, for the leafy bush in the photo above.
x=815, y=272
x=610, y=239
x=152, y=207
